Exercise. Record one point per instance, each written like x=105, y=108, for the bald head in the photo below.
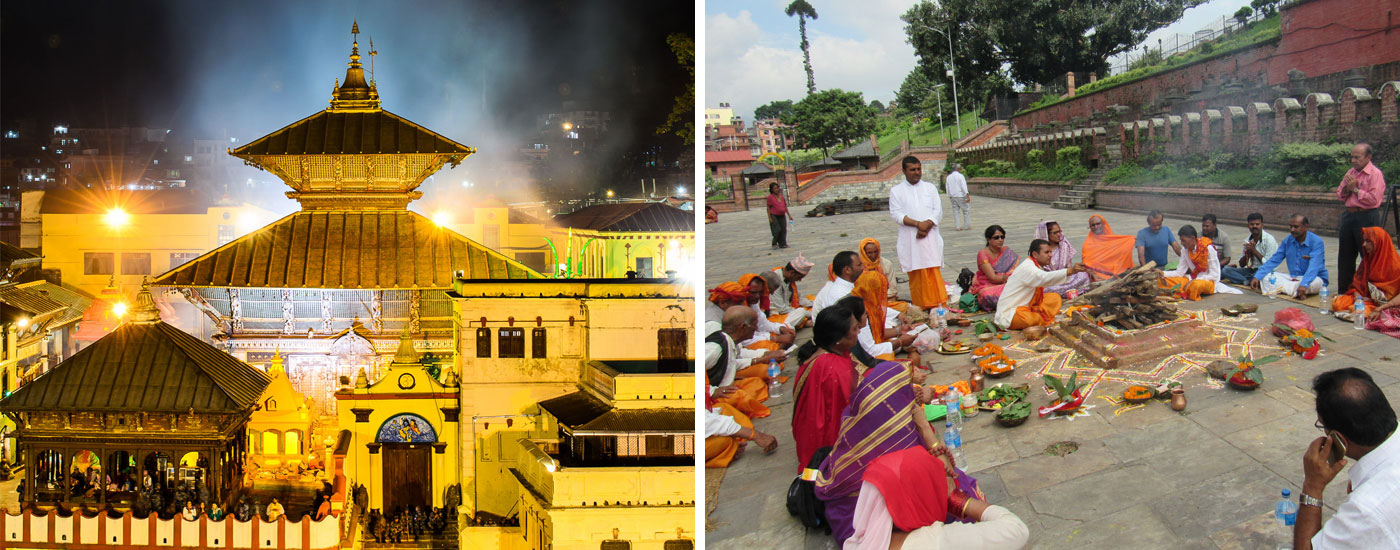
x=739, y=322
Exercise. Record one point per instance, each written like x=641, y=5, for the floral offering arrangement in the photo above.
x=1300, y=341
x=1070, y=395
x=993, y=360
x=1248, y=376
x=1138, y=394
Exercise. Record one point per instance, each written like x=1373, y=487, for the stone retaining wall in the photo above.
x=1323, y=210
x=1044, y=192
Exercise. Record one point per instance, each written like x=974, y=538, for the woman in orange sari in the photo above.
x=872, y=260
x=1377, y=281
x=1104, y=253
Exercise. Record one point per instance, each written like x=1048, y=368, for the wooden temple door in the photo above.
x=408, y=475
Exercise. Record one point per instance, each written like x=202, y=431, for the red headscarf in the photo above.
x=731, y=291
x=914, y=484
x=747, y=280
x=1380, y=268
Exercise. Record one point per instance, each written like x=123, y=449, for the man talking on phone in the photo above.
x=1358, y=423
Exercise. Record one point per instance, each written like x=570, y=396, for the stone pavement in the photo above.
x=1149, y=478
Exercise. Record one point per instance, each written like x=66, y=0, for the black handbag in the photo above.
x=802, y=500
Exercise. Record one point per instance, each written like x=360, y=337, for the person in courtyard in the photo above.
x=1377, y=283
x=190, y=513
x=724, y=296
x=1362, y=191
x=1153, y=241
x=847, y=268
x=1062, y=258
x=883, y=333
x=275, y=510
x=871, y=260
x=1198, y=271
x=216, y=513
x=711, y=215
x=1260, y=246
x=916, y=207
x=824, y=383
x=1219, y=239
x=956, y=185
x=995, y=262
x=906, y=501
x=740, y=381
x=885, y=416
x=1307, y=263
x=1024, y=301
x=727, y=430
x=244, y=511
x=784, y=298
x=778, y=215
x=856, y=306
x=777, y=334
x=1351, y=411
x=1104, y=253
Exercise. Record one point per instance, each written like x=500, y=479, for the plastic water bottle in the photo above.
x=1358, y=313
x=942, y=313
x=952, y=437
x=775, y=388
x=1324, y=305
x=952, y=401
x=1273, y=284
x=1286, y=512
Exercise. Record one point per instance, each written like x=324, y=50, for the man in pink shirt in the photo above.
x=1362, y=190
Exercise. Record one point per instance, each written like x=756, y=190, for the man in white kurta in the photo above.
x=1196, y=281
x=917, y=208
x=956, y=185
x=1024, y=302
x=847, y=268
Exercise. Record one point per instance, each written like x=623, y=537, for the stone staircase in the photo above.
x=1080, y=195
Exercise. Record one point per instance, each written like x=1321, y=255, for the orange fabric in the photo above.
x=1200, y=257
x=1347, y=301
x=872, y=288
x=792, y=287
x=926, y=287
x=747, y=280
x=720, y=449
x=830, y=273
x=1040, y=312
x=778, y=317
x=750, y=397
x=732, y=291
x=870, y=265
x=1108, y=252
x=764, y=345
x=1381, y=268
x=1192, y=289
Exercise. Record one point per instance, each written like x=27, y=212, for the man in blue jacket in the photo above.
x=1307, y=263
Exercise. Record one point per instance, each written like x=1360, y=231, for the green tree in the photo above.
x=1242, y=14
x=919, y=96
x=781, y=110
x=682, y=117
x=876, y=106
x=804, y=11
x=832, y=117
x=976, y=59
x=1037, y=41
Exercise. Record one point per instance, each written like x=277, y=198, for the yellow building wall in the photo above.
x=491, y=226
x=611, y=254
x=368, y=469
x=67, y=237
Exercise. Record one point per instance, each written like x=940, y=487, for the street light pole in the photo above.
x=952, y=74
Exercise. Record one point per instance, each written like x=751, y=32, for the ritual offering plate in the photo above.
x=998, y=370
x=955, y=347
x=999, y=396
x=1138, y=394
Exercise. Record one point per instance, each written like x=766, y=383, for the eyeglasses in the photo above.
x=1318, y=425
x=1002, y=237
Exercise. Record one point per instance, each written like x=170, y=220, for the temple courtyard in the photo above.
x=1143, y=476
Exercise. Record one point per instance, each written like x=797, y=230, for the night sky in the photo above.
x=477, y=72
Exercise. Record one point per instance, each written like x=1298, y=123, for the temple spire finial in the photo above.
x=145, y=311
x=355, y=94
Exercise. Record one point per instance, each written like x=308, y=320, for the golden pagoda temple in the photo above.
x=334, y=284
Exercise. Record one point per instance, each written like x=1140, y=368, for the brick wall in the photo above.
x=869, y=183
x=1322, y=209
x=1044, y=192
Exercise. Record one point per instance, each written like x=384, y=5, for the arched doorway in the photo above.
x=408, y=473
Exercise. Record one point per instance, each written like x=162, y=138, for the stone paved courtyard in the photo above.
x=1147, y=478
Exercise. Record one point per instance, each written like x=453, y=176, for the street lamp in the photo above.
x=951, y=74
x=610, y=193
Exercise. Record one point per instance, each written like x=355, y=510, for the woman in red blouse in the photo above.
x=778, y=215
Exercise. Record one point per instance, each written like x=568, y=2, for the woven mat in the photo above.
x=1311, y=301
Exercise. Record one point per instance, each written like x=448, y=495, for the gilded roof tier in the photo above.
x=353, y=249
x=375, y=132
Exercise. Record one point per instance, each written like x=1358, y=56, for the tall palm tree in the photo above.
x=804, y=11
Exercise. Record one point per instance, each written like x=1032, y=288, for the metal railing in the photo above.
x=1182, y=43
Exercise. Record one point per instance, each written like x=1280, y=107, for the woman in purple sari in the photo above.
x=994, y=266
x=882, y=417
x=1062, y=258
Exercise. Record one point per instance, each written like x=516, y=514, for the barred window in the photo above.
x=178, y=259
x=226, y=234
x=512, y=343
x=136, y=263
x=660, y=445
x=483, y=342
x=98, y=263
x=537, y=343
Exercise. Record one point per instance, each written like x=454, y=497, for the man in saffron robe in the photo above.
x=1104, y=253
x=771, y=334
x=727, y=429
x=1198, y=271
x=740, y=381
x=917, y=208
x=722, y=297
x=1024, y=301
x=824, y=384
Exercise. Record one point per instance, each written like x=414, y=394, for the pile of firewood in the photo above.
x=1131, y=300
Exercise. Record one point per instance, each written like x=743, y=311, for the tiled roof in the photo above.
x=144, y=367
x=76, y=300
x=864, y=149
x=646, y=216
x=332, y=133
x=581, y=412
x=12, y=256
x=43, y=297
x=728, y=156
x=758, y=168
x=29, y=300
x=367, y=249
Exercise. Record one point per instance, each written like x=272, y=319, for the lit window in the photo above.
x=483, y=342
x=512, y=343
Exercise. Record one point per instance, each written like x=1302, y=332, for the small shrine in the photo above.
x=278, y=431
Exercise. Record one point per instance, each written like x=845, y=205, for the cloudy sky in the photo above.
x=752, y=56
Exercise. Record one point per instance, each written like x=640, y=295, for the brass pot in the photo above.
x=1178, y=399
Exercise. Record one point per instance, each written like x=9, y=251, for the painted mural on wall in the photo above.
x=406, y=428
